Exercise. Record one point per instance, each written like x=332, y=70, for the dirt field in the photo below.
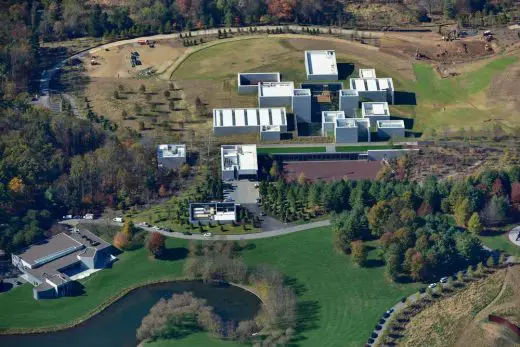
x=461, y=320
x=331, y=170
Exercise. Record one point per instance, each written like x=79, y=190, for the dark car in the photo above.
x=378, y=327
x=422, y=290
x=370, y=340
x=263, y=213
x=374, y=335
x=382, y=321
x=403, y=299
x=386, y=315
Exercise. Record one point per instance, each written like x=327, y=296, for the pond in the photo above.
x=117, y=325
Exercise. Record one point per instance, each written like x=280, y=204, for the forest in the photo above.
x=423, y=229
x=54, y=165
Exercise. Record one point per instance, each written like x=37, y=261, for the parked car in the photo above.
x=143, y=224
x=403, y=299
x=186, y=233
x=76, y=217
x=18, y=283
x=390, y=311
x=432, y=285
x=118, y=219
x=89, y=216
x=263, y=213
x=258, y=200
x=378, y=327
x=67, y=216
x=382, y=321
x=386, y=315
x=207, y=234
x=422, y=290
x=155, y=227
x=444, y=279
x=371, y=340
x=374, y=335
x=257, y=185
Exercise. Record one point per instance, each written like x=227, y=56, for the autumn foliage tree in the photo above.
x=156, y=243
x=281, y=9
x=359, y=252
x=121, y=240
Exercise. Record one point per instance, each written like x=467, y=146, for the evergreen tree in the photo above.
x=474, y=224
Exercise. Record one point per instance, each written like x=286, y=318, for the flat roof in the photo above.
x=367, y=73
x=321, y=62
x=331, y=116
x=371, y=84
x=375, y=108
x=171, y=150
x=268, y=89
x=396, y=123
x=346, y=123
x=241, y=157
x=50, y=249
x=241, y=117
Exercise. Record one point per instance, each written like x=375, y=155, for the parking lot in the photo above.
x=242, y=192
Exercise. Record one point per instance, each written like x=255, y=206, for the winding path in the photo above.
x=237, y=237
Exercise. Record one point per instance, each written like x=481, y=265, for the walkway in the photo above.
x=175, y=234
x=514, y=236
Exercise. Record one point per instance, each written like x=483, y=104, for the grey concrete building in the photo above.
x=345, y=130
x=375, y=111
x=302, y=105
x=328, y=121
x=248, y=81
x=270, y=133
x=238, y=162
x=349, y=102
x=390, y=129
x=213, y=212
x=231, y=121
x=374, y=89
x=52, y=265
x=321, y=65
x=171, y=156
x=363, y=126
x=275, y=94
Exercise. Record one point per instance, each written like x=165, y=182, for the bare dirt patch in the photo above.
x=315, y=171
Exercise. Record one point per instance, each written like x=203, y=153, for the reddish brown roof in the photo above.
x=332, y=170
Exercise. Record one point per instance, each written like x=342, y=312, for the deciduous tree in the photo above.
x=359, y=252
x=155, y=243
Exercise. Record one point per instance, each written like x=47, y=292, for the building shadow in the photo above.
x=408, y=122
x=404, y=98
x=5, y=287
x=345, y=70
x=76, y=289
x=173, y=254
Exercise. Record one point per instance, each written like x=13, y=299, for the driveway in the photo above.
x=261, y=235
x=243, y=192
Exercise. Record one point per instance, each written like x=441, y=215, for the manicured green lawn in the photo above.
x=340, y=302
x=501, y=241
x=275, y=150
x=18, y=309
x=363, y=148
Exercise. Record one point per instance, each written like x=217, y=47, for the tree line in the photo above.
x=424, y=229
x=52, y=166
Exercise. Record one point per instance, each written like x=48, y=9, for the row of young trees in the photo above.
x=220, y=261
x=410, y=219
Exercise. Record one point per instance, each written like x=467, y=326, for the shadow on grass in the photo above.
x=307, y=317
x=76, y=289
x=345, y=70
x=404, y=98
x=372, y=263
x=173, y=254
x=4, y=287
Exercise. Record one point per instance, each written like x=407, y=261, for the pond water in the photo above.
x=116, y=326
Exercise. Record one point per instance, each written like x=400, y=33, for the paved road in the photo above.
x=261, y=235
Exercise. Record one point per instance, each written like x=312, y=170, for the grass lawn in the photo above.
x=339, y=302
x=500, y=240
x=20, y=310
x=364, y=148
x=275, y=150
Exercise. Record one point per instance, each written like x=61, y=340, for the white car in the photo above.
x=118, y=219
x=67, y=216
x=444, y=279
x=207, y=234
x=88, y=216
x=143, y=224
x=155, y=227
x=432, y=285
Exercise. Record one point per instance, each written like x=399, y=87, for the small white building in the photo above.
x=217, y=212
x=390, y=129
x=248, y=81
x=346, y=130
x=367, y=73
x=328, y=121
x=238, y=161
x=275, y=94
x=374, y=89
x=171, y=156
x=231, y=121
x=375, y=111
x=349, y=102
x=321, y=65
